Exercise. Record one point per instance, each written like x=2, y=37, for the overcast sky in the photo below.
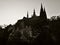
x=12, y=10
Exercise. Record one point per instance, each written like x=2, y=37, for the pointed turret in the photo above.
x=27, y=15
x=34, y=14
x=45, y=15
x=41, y=7
x=41, y=10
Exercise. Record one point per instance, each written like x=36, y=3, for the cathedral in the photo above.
x=34, y=20
x=42, y=14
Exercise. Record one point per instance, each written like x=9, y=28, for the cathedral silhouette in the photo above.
x=41, y=19
x=36, y=30
x=42, y=14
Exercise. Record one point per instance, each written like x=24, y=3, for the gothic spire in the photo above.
x=44, y=8
x=45, y=13
x=34, y=13
x=41, y=6
x=27, y=15
x=41, y=10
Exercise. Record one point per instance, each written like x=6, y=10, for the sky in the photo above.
x=13, y=10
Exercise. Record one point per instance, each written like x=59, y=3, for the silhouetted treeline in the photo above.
x=46, y=33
